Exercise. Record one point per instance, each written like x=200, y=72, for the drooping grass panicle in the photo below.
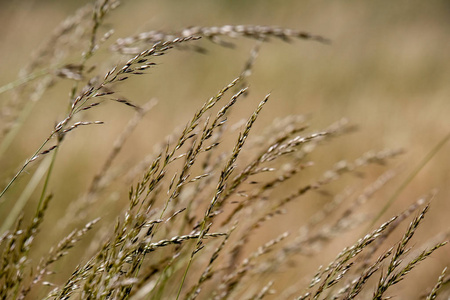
x=111, y=77
x=104, y=177
x=131, y=45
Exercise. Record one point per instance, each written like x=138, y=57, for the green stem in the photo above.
x=47, y=180
x=20, y=81
x=184, y=276
x=6, y=142
x=202, y=229
x=26, y=194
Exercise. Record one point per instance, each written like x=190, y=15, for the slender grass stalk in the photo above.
x=26, y=79
x=25, y=165
x=26, y=194
x=409, y=179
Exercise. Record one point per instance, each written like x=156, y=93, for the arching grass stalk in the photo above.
x=408, y=180
x=27, y=162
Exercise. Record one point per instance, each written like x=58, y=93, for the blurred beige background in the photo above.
x=387, y=70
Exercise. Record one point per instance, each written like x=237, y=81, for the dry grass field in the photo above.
x=224, y=149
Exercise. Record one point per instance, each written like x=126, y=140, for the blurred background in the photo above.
x=387, y=70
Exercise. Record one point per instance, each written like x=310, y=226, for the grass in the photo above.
x=205, y=212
